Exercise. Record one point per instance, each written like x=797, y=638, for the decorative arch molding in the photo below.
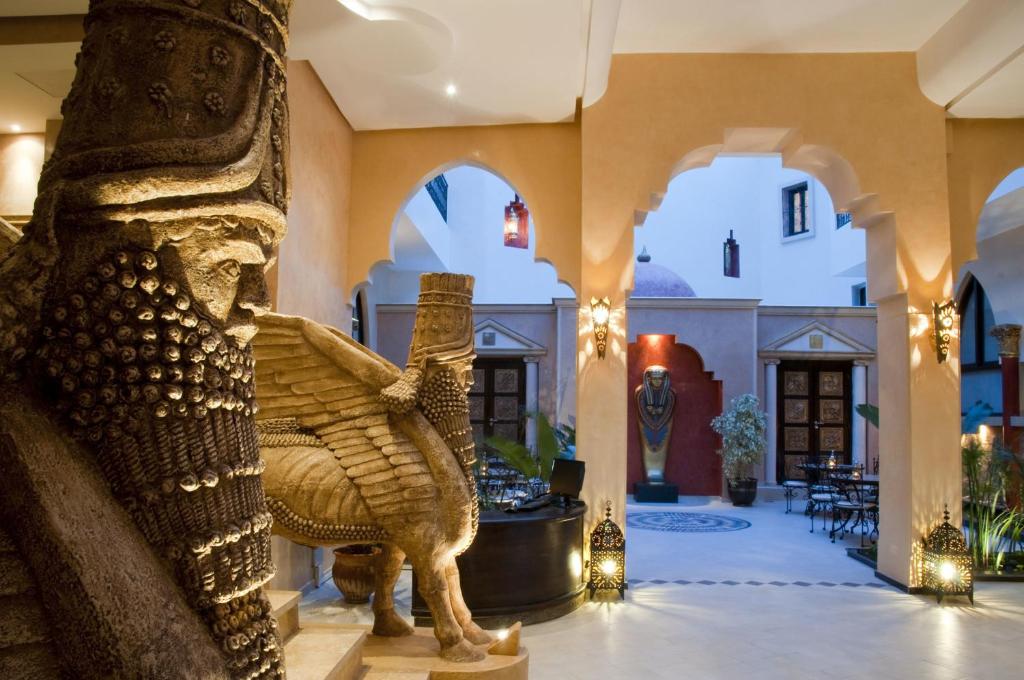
x=980, y=154
x=540, y=162
x=885, y=273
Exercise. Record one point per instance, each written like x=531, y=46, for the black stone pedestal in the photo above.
x=655, y=493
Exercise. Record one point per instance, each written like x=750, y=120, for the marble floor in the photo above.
x=764, y=601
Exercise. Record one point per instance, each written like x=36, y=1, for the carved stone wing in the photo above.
x=330, y=385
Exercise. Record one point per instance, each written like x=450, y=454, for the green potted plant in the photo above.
x=742, y=427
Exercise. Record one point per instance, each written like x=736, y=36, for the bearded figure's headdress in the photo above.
x=443, y=333
x=177, y=112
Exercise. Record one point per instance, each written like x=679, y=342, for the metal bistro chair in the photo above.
x=792, y=487
x=819, y=491
x=852, y=503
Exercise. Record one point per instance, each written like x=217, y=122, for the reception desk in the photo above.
x=521, y=567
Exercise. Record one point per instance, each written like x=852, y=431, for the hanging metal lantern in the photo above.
x=947, y=565
x=731, y=257
x=607, y=556
x=517, y=224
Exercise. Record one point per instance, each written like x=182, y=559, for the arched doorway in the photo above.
x=467, y=219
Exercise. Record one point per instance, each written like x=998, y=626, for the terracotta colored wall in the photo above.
x=541, y=162
x=692, y=462
x=309, y=278
x=312, y=262
x=981, y=153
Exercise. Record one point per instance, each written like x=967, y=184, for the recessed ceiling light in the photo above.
x=451, y=90
x=15, y=127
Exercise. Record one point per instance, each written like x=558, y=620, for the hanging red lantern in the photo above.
x=517, y=224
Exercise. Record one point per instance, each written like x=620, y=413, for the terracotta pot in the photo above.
x=742, y=491
x=353, y=572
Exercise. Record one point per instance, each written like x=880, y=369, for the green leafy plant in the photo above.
x=994, y=531
x=742, y=427
x=868, y=412
x=520, y=458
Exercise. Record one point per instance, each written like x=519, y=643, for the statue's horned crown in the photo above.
x=444, y=319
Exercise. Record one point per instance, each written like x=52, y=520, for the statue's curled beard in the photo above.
x=442, y=398
x=166, y=403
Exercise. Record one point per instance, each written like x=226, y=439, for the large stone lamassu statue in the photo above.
x=360, y=452
x=134, y=530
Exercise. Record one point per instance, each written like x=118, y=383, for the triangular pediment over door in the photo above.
x=816, y=340
x=494, y=339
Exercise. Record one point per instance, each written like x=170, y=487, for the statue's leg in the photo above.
x=471, y=630
x=385, y=621
x=433, y=586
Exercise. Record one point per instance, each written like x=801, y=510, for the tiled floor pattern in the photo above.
x=772, y=601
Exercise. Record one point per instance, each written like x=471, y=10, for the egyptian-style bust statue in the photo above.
x=131, y=504
x=655, y=402
x=360, y=452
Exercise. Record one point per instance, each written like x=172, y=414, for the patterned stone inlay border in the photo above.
x=778, y=584
x=684, y=522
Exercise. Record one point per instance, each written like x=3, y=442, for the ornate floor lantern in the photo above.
x=948, y=567
x=607, y=556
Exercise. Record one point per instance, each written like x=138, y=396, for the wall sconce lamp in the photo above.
x=607, y=556
x=944, y=325
x=600, y=312
x=947, y=567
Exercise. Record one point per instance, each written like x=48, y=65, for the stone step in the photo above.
x=285, y=604
x=325, y=652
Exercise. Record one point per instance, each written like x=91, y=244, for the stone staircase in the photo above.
x=324, y=651
x=316, y=652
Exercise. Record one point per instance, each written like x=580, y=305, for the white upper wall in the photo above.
x=744, y=193
x=472, y=242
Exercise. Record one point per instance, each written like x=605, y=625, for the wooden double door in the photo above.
x=814, y=414
x=497, y=400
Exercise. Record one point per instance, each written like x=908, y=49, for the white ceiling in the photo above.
x=779, y=25
x=510, y=60
x=387, y=63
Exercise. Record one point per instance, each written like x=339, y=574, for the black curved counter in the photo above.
x=522, y=567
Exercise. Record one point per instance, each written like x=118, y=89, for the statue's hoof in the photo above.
x=463, y=651
x=477, y=635
x=390, y=624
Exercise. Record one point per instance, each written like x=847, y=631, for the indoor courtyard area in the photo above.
x=511, y=339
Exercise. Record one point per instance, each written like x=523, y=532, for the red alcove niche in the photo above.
x=692, y=463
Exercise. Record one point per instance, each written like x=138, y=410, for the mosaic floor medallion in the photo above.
x=684, y=522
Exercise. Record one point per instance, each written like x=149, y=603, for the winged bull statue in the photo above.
x=359, y=451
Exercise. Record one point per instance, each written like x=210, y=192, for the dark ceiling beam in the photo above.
x=56, y=28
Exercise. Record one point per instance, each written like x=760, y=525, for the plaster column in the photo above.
x=532, y=401
x=858, y=431
x=1008, y=336
x=771, y=407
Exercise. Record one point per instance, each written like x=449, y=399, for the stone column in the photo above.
x=532, y=401
x=858, y=439
x=771, y=408
x=1008, y=336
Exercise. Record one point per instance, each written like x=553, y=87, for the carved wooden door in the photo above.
x=814, y=414
x=497, y=400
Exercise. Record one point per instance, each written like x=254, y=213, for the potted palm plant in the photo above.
x=742, y=427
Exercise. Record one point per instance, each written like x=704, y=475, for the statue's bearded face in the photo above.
x=224, y=269
x=464, y=370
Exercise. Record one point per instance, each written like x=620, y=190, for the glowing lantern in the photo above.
x=947, y=566
x=607, y=556
x=944, y=319
x=600, y=313
x=517, y=224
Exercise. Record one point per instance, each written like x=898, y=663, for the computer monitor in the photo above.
x=567, y=477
